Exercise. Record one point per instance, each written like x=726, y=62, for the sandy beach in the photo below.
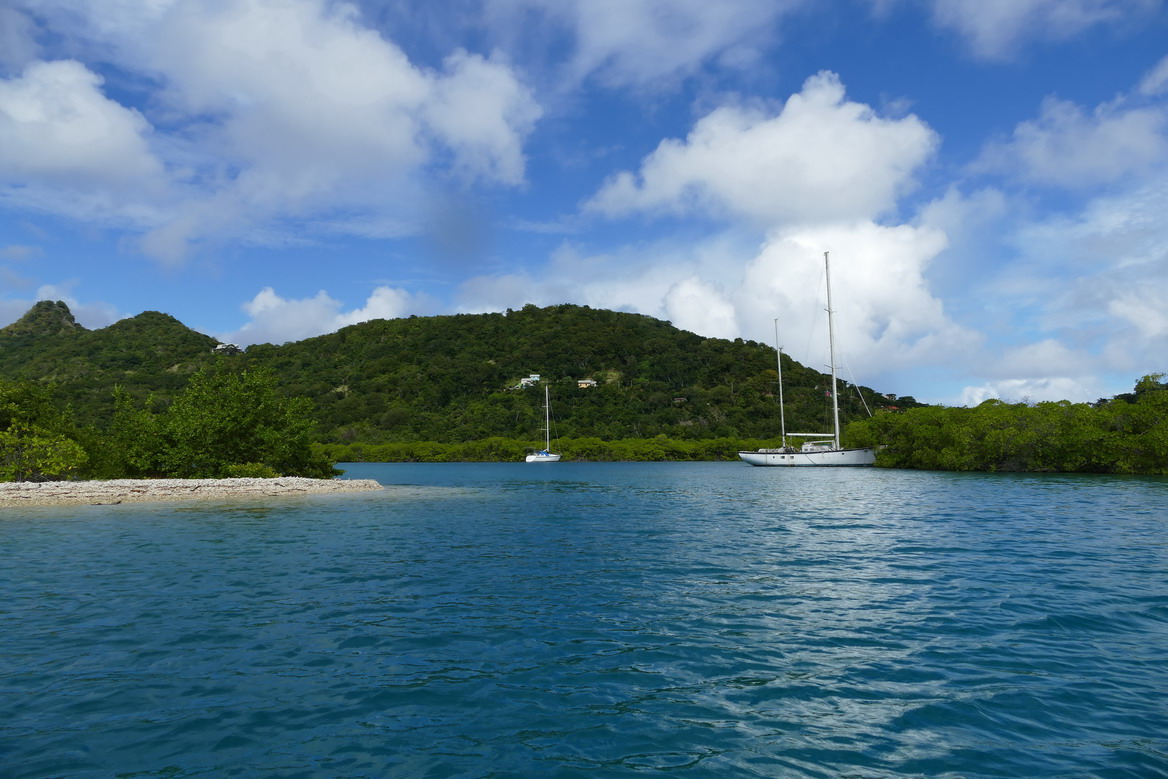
x=63, y=493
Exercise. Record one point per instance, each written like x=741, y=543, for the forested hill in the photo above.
x=455, y=378
x=149, y=353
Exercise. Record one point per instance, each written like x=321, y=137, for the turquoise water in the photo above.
x=592, y=619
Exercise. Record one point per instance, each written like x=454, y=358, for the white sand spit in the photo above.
x=63, y=493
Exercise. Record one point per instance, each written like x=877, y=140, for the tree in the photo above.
x=223, y=424
x=29, y=454
x=1128, y=434
x=37, y=440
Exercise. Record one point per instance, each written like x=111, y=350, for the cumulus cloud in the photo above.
x=266, y=113
x=624, y=280
x=58, y=128
x=887, y=319
x=275, y=319
x=700, y=307
x=1076, y=390
x=996, y=28
x=482, y=113
x=1067, y=147
x=657, y=279
x=821, y=158
x=387, y=303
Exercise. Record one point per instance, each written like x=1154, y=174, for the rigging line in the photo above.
x=856, y=384
x=851, y=376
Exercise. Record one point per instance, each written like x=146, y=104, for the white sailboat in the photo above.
x=825, y=451
x=545, y=455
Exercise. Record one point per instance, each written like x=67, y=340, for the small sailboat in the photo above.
x=825, y=451
x=545, y=455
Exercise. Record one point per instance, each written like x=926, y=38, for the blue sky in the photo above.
x=990, y=176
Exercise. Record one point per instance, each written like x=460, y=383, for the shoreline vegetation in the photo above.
x=1127, y=434
x=499, y=449
x=406, y=391
x=96, y=493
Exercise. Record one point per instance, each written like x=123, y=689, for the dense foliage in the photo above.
x=151, y=353
x=221, y=425
x=498, y=449
x=38, y=441
x=452, y=379
x=447, y=388
x=1127, y=434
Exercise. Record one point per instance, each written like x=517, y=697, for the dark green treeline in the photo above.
x=1126, y=434
x=451, y=379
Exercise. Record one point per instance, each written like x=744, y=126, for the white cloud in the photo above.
x=634, y=43
x=274, y=319
x=618, y=282
x=1066, y=147
x=1070, y=306
x=700, y=307
x=1049, y=359
x=386, y=303
x=887, y=319
x=17, y=46
x=656, y=279
x=1076, y=390
x=1101, y=276
x=483, y=113
x=56, y=127
x=996, y=28
x=273, y=116
x=1145, y=310
x=974, y=224
x=1155, y=81
x=821, y=158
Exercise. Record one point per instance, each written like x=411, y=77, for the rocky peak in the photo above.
x=46, y=317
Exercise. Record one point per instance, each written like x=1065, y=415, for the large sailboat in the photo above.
x=822, y=452
x=545, y=455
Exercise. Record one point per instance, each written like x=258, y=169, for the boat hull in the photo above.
x=829, y=458
x=543, y=457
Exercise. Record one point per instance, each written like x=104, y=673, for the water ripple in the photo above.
x=590, y=619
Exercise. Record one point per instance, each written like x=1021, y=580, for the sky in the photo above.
x=989, y=177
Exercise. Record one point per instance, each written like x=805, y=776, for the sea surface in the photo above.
x=596, y=619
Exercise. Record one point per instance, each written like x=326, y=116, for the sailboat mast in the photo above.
x=547, y=419
x=779, y=359
x=831, y=352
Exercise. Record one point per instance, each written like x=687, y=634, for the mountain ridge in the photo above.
x=46, y=317
x=457, y=377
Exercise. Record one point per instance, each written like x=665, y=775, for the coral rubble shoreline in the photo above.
x=65, y=493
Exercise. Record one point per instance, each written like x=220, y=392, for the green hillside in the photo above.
x=453, y=378
x=148, y=353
